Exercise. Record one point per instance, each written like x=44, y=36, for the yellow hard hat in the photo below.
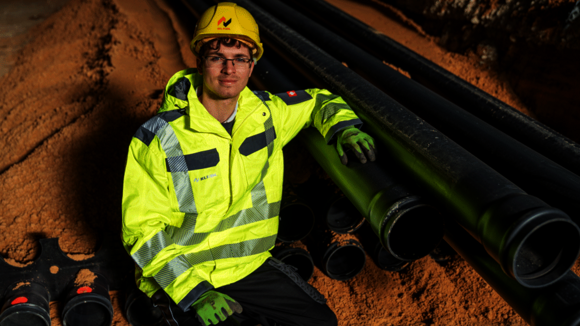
x=227, y=19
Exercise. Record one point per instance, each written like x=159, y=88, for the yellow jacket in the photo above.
x=200, y=207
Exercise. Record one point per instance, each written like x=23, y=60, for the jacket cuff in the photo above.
x=193, y=295
x=340, y=126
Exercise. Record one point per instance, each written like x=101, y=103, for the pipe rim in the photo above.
x=138, y=301
x=87, y=298
x=334, y=249
x=26, y=308
x=518, y=253
x=344, y=205
x=432, y=226
x=299, y=253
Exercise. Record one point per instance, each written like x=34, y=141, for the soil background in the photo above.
x=77, y=83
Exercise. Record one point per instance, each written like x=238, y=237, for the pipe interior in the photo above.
x=345, y=262
x=24, y=318
x=296, y=222
x=342, y=216
x=88, y=314
x=142, y=312
x=415, y=233
x=546, y=254
x=302, y=263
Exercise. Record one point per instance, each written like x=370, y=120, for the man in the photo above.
x=203, y=182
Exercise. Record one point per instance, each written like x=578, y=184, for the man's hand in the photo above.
x=213, y=307
x=354, y=138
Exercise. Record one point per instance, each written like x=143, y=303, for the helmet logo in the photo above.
x=225, y=23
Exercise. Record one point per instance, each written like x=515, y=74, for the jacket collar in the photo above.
x=200, y=120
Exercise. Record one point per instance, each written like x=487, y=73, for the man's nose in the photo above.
x=229, y=67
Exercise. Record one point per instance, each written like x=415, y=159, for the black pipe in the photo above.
x=407, y=226
x=409, y=229
x=297, y=258
x=499, y=214
x=139, y=309
x=296, y=222
x=342, y=216
x=555, y=305
x=338, y=258
x=382, y=258
x=531, y=171
x=88, y=304
x=26, y=303
x=521, y=127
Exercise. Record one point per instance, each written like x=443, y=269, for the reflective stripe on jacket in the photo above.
x=200, y=207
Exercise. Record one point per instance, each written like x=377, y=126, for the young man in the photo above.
x=203, y=182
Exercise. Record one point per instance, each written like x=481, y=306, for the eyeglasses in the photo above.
x=218, y=62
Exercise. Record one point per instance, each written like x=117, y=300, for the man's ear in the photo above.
x=251, y=68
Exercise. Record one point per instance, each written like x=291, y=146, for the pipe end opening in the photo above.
x=303, y=263
x=296, y=222
x=345, y=262
x=546, y=253
x=342, y=217
x=29, y=316
x=141, y=312
x=88, y=312
x=415, y=232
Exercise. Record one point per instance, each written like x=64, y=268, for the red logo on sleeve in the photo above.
x=291, y=93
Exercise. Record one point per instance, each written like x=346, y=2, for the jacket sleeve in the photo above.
x=325, y=111
x=146, y=213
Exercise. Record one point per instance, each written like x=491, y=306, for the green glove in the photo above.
x=353, y=138
x=213, y=307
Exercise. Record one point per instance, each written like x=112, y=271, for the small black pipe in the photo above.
x=88, y=304
x=139, y=309
x=296, y=257
x=496, y=212
x=339, y=259
x=533, y=172
x=374, y=248
x=342, y=216
x=521, y=127
x=26, y=303
x=555, y=305
x=296, y=222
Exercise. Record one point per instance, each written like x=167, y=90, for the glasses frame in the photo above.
x=224, y=63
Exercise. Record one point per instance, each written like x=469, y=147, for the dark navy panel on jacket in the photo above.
x=294, y=97
x=144, y=135
x=255, y=143
x=199, y=160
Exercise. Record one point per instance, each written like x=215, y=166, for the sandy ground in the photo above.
x=95, y=70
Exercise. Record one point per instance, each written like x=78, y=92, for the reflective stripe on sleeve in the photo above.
x=171, y=271
x=151, y=248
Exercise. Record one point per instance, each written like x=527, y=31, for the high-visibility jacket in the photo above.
x=200, y=207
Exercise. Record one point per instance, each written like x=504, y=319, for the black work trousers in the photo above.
x=275, y=295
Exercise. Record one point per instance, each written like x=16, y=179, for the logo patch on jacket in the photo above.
x=205, y=178
x=291, y=93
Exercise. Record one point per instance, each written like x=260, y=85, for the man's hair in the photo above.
x=216, y=44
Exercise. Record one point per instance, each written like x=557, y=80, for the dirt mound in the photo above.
x=94, y=72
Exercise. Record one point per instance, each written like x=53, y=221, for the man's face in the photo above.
x=226, y=80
